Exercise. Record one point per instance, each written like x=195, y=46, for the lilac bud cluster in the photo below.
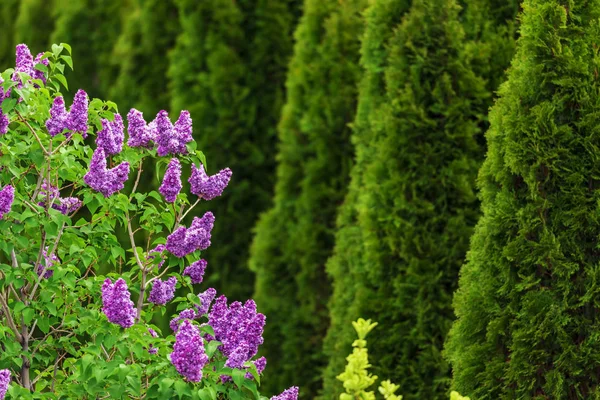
x=172, y=139
x=288, y=394
x=171, y=184
x=7, y=196
x=4, y=382
x=239, y=328
x=117, y=304
x=162, y=291
x=49, y=262
x=112, y=135
x=188, y=354
x=184, y=241
x=103, y=180
x=208, y=187
x=196, y=271
x=75, y=120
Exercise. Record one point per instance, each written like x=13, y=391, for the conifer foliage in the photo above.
x=34, y=24
x=8, y=14
x=527, y=304
x=295, y=237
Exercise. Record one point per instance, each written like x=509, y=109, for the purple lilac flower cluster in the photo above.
x=117, y=304
x=4, y=382
x=112, y=135
x=103, y=180
x=76, y=120
x=196, y=271
x=208, y=187
x=66, y=205
x=171, y=184
x=49, y=262
x=140, y=134
x=239, y=327
x=162, y=291
x=188, y=354
x=172, y=139
x=7, y=196
x=206, y=299
x=188, y=313
x=288, y=394
x=184, y=240
x=152, y=349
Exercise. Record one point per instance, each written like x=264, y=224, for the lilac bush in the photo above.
x=76, y=307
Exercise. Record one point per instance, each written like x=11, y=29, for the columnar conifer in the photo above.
x=411, y=206
x=527, y=304
x=294, y=238
x=8, y=14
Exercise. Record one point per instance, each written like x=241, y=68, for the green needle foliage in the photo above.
x=411, y=206
x=528, y=323
x=295, y=237
x=228, y=69
x=34, y=24
x=8, y=14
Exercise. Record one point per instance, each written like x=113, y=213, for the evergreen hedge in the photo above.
x=528, y=323
x=294, y=238
x=228, y=69
x=406, y=221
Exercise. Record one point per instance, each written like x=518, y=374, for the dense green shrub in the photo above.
x=527, y=302
x=228, y=68
x=295, y=237
x=34, y=24
x=411, y=206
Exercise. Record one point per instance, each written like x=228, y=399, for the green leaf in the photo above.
x=68, y=60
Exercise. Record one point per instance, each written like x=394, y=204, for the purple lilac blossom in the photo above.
x=140, y=134
x=184, y=240
x=103, y=180
x=188, y=354
x=196, y=271
x=162, y=291
x=37, y=74
x=4, y=121
x=152, y=349
x=173, y=139
x=77, y=118
x=49, y=262
x=288, y=394
x=111, y=136
x=188, y=313
x=58, y=117
x=260, y=364
x=171, y=184
x=66, y=205
x=4, y=382
x=206, y=299
x=238, y=356
x=208, y=187
x=24, y=63
x=158, y=249
x=117, y=304
x=238, y=327
x=7, y=196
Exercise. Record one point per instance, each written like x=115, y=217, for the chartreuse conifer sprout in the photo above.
x=76, y=306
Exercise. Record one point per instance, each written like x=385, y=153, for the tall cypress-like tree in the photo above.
x=406, y=222
x=141, y=57
x=228, y=69
x=295, y=237
x=8, y=15
x=35, y=24
x=527, y=304
x=92, y=28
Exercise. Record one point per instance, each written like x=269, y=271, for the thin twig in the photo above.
x=34, y=133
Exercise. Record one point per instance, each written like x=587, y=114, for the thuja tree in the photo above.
x=412, y=204
x=92, y=27
x=294, y=238
x=70, y=328
x=34, y=24
x=527, y=322
x=228, y=68
x=8, y=14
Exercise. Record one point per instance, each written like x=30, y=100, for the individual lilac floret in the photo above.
x=24, y=63
x=196, y=271
x=77, y=119
x=260, y=364
x=4, y=382
x=37, y=74
x=117, y=304
x=208, y=187
x=197, y=237
x=188, y=313
x=171, y=184
x=162, y=291
x=140, y=134
x=112, y=135
x=49, y=262
x=7, y=196
x=238, y=327
x=206, y=298
x=103, y=180
x=58, y=117
x=188, y=354
x=288, y=394
x=173, y=139
x=4, y=121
